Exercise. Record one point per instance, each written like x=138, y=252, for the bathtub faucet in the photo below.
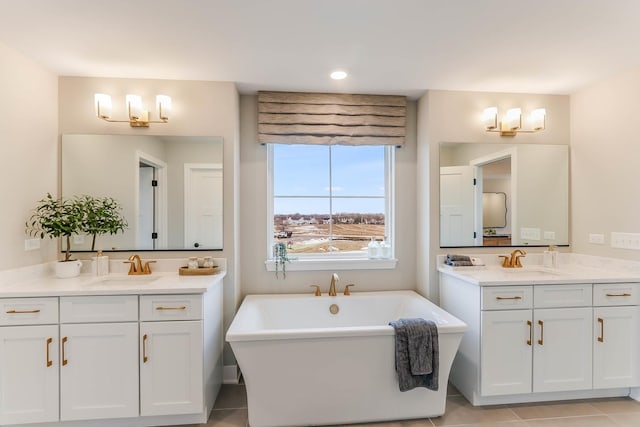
x=332, y=287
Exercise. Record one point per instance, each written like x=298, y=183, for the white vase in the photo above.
x=66, y=269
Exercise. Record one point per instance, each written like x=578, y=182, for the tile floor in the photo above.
x=230, y=410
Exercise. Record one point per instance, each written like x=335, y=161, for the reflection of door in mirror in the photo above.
x=146, y=208
x=456, y=206
x=202, y=205
x=151, y=206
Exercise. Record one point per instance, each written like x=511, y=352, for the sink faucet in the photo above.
x=513, y=260
x=332, y=287
x=136, y=265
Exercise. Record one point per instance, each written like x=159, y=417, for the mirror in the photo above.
x=504, y=194
x=169, y=187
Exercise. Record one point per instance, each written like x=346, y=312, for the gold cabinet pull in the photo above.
x=182, y=307
x=49, y=362
x=541, y=340
x=144, y=349
x=501, y=298
x=619, y=295
x=64, y=359
x=23, y=311
x=530, y=332
x=601, y=337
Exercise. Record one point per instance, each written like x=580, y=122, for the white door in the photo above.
x=562, y=352
x=506, y=352
x=146, y=208
x=28, y=374
x=171, y=368
x=615, y=347
x=203, y=206
x=99, y=371
x=457, y=194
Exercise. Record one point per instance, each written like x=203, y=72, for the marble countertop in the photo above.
x=39, y=281
x=493, y=275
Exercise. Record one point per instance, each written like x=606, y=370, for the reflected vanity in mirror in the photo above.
x=169, y=187
x=504, y=195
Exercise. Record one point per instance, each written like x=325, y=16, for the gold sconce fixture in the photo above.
x=138, y=117
x=511, y=122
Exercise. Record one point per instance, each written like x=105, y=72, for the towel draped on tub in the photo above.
x=416, y=353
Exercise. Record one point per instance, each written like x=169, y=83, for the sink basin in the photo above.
x=124, y=281
x=532, y=271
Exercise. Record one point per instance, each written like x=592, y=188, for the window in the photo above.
x=327, y=201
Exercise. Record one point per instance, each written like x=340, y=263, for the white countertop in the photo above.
x=112, y=284
x=537, y=275
x=39, y=281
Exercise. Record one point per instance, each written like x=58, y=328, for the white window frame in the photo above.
x=337, y=260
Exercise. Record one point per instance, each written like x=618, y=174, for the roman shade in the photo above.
x=329, y=118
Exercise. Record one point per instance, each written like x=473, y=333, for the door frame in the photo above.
x=161, y=202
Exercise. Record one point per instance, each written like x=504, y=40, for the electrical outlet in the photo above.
x=625, y=241
x=78, y=239
x=597, y=239
x=549, y=235
x=530, y=233
x=31, y=244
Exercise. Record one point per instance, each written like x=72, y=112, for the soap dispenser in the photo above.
x=550, y=257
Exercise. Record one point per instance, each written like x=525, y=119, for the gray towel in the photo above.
x=417, y=353
x=453, y=257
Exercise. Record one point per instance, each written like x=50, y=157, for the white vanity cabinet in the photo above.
x=171, y=361
x=616, y=341
x=29, y=360
x=540, y=342
x=98, y=357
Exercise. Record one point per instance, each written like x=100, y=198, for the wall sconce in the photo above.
x=138, y=117
x=511, y=123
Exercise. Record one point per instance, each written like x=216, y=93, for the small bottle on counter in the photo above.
x=208, y=262
x=373, y=249
x=385, y=249
x=192, y=263
x=550, y=257
x=100, y=264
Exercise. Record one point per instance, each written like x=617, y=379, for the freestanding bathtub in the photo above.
x=303, y=365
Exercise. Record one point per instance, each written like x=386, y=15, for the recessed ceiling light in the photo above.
x=338, y=75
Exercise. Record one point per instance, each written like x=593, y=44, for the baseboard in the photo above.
x=635, y=393
x=230, y=374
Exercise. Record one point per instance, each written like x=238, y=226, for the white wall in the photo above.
x=253, y=219
x=28, y=153
x=449, y=116
x=199, y=109
x=605, y=163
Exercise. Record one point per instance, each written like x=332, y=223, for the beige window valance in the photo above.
x=328, y=119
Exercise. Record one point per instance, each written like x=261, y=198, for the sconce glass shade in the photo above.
x=513, y=119
x=490, y=117
x=163, y=105
x=134, y=106
x=103, y=105
x=538, y=118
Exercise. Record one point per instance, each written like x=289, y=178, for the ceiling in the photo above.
x=387, y=46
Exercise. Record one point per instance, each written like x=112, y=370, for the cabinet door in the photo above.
x=171, y=368
x=99, y=371
x=506, y=352
x=562, y=352
x=28, y=374
x=615, y=347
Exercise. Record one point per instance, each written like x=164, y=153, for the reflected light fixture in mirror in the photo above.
x=511, y=123
x=137, y=115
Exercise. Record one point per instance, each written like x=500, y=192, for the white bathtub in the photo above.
x=303, y=365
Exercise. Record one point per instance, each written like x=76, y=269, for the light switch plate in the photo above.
x=625, y=240
x=31, y=244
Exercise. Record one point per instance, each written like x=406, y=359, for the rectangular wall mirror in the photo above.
x=170, y=188
x=504, y=195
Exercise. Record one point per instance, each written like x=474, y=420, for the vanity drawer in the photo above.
x=549, y=296
x=90, y=309
x=170, y=307
x=507, y=297
x=28, y=311
x=608, y=294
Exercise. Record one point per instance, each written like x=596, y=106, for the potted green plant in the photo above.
x=58, y=218
x=280, y=257
x=101, y=216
